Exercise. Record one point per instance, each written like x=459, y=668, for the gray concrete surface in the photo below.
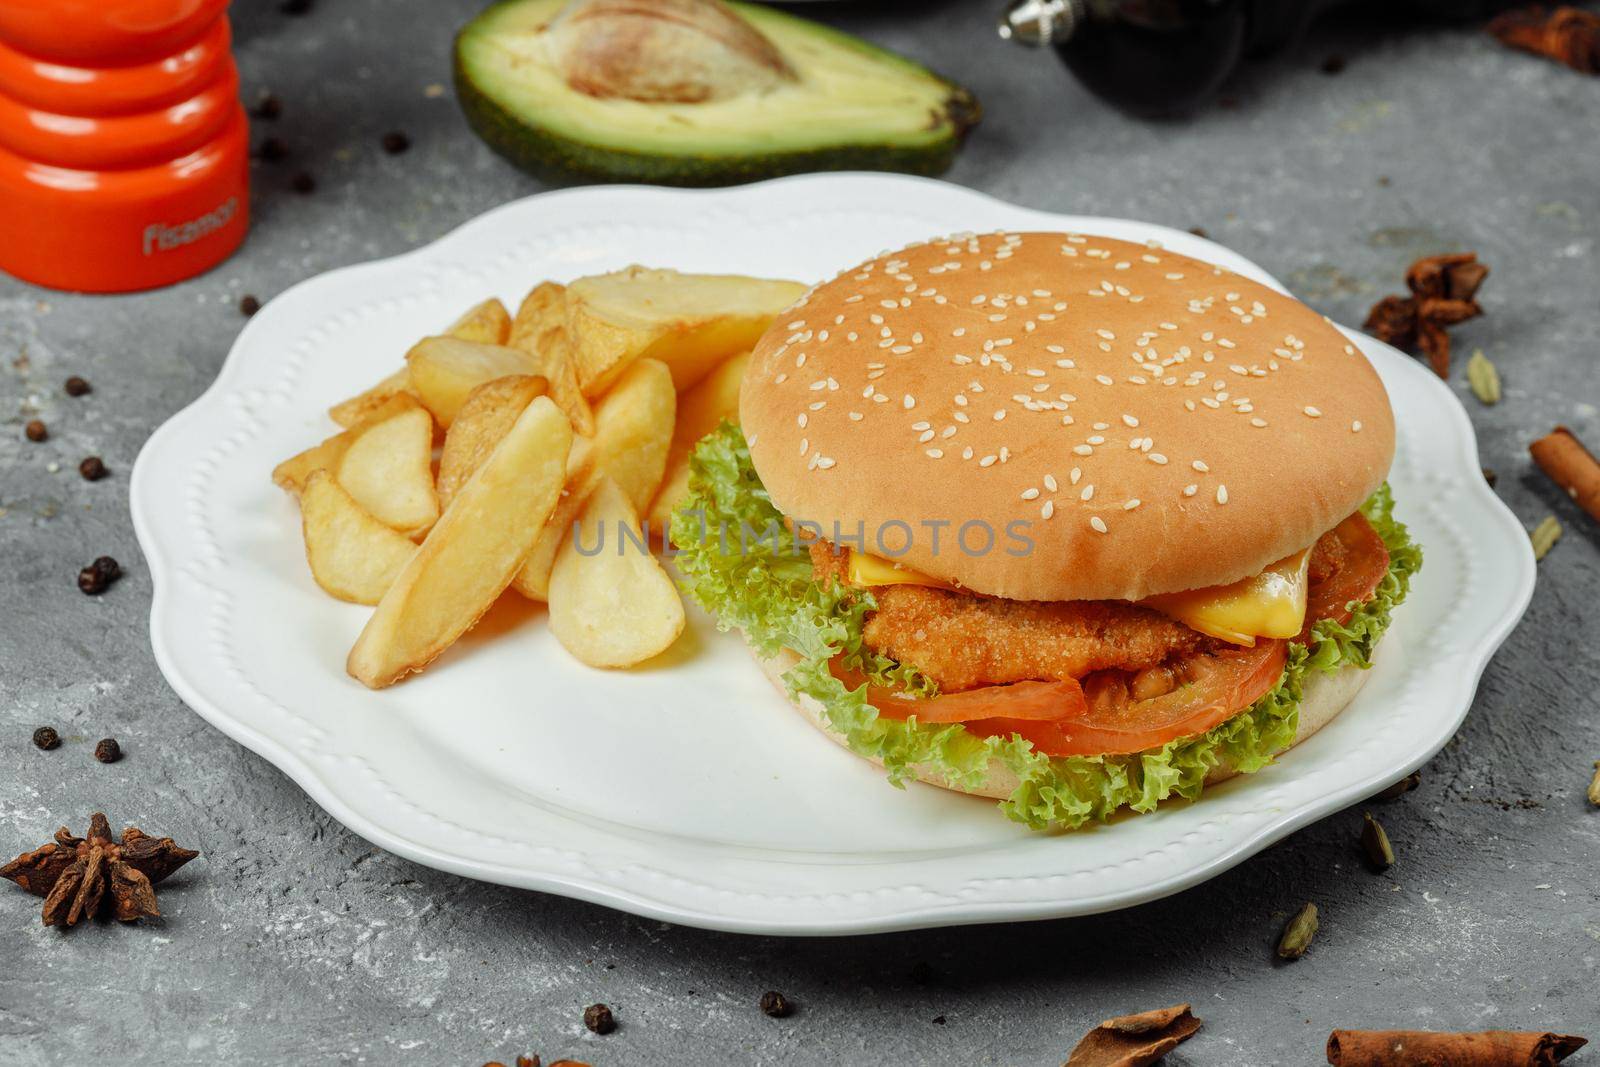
x=293, y=941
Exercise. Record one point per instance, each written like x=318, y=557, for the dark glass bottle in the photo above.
x=1163, y=57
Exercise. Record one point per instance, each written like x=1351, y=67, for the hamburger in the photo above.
x=1065, y=521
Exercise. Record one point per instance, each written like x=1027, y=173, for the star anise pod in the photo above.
x=1567, y=35
x=81, y=876
x=1442, y=294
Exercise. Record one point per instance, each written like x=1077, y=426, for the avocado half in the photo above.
x=852, y=106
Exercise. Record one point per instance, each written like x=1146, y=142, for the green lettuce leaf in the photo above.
x=739, y=563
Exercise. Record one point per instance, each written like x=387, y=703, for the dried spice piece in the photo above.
x=81, y=876
x=1443, y=289
x=303, y=183
x=1568, y=35
x=1483, y=377
x=1544, y=536
x=248, y=305
x=527, y=1061
x=1334, y=64
x=1400, y=788
x=1135, y=1040
x=1594, y=785
x=295, y=7
x=598, y=1018
x=1490, y=476
x=273, y=149
x=775, y=1004
x=76, y=386
x=93, y=468
x=1425, y=1048
x=107, y=750
x=1375, y=843
x=1298, y=934
x=35, y=431
x=46, y=738
x=1562, y=456
x=97, y=577
x=268, y=107
x=395, y=142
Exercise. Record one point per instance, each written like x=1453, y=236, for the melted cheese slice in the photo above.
x=1271, y=604
x=875, y=570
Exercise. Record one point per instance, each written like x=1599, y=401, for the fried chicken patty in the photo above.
x=965, y=640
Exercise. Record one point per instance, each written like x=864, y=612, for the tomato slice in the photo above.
x=1218, y=687
x=1359, y=559
x=1019, y=701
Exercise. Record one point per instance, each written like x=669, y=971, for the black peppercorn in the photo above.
x=46, y=738
x=77, y=386
x=93, y=469
x=938, y=1020
x=35, y=430
x=775, y=1004
x=395, y=142
x=273, y=149
x=97, y=576
x=598, y=1017
x=108, y=751
x=303, y=183
x=295, y=7
x=248, y=305
x=268, y=107
x=1333, y=65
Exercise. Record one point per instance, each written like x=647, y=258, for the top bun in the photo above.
x=1150, y=422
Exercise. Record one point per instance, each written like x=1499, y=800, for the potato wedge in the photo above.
x=361, y=406
x=352, y=555
x=691, y=322
x=488, y=414
x=488, y=323
x=292, y=473
x=388, y=470
x=611, y=603
x=633, y=431
x=540, y=329
x=445, y=369
x=472, y=552
x=701, y=409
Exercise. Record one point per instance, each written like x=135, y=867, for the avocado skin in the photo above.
x=559, y=159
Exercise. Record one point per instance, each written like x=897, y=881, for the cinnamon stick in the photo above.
x=1135, y=1040
x=1573, y=467
x=1425, y=1048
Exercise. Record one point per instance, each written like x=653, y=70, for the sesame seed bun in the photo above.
x=1152, y=422
x=1323, y=697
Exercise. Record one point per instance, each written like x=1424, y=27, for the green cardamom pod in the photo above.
x=1483, y=378
x=1400, y=788
x=1544, y=536
x=1380, y=854
x=1298, y=934
x=1594, y=785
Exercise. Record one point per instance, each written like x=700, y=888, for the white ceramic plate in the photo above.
x=692, y=792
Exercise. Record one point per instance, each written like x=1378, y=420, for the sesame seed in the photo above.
x=1131, y=504
x=1077, y=472
x=801, y=419
x=1050, y=482
x=1200, y=466
x=1157, y=458
x=1048, y=510
x=824, y=463
x=1313, y=412
x=856, y=416
x=1258, y=422
x=1083, y=450
x=1355, y=427
x=1130, y=420
x=805, y=446
x=1088, y=492
x=936, y=453
x=987, y=461
x=1030, y=494
x=1190, y=490
x=909, y=402
x=1222, y=494
x=1097, y=524
x=1102, y=379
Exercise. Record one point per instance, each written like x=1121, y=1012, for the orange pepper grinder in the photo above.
x=124, y=153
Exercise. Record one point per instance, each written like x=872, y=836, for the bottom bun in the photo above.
x=1323, y=697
